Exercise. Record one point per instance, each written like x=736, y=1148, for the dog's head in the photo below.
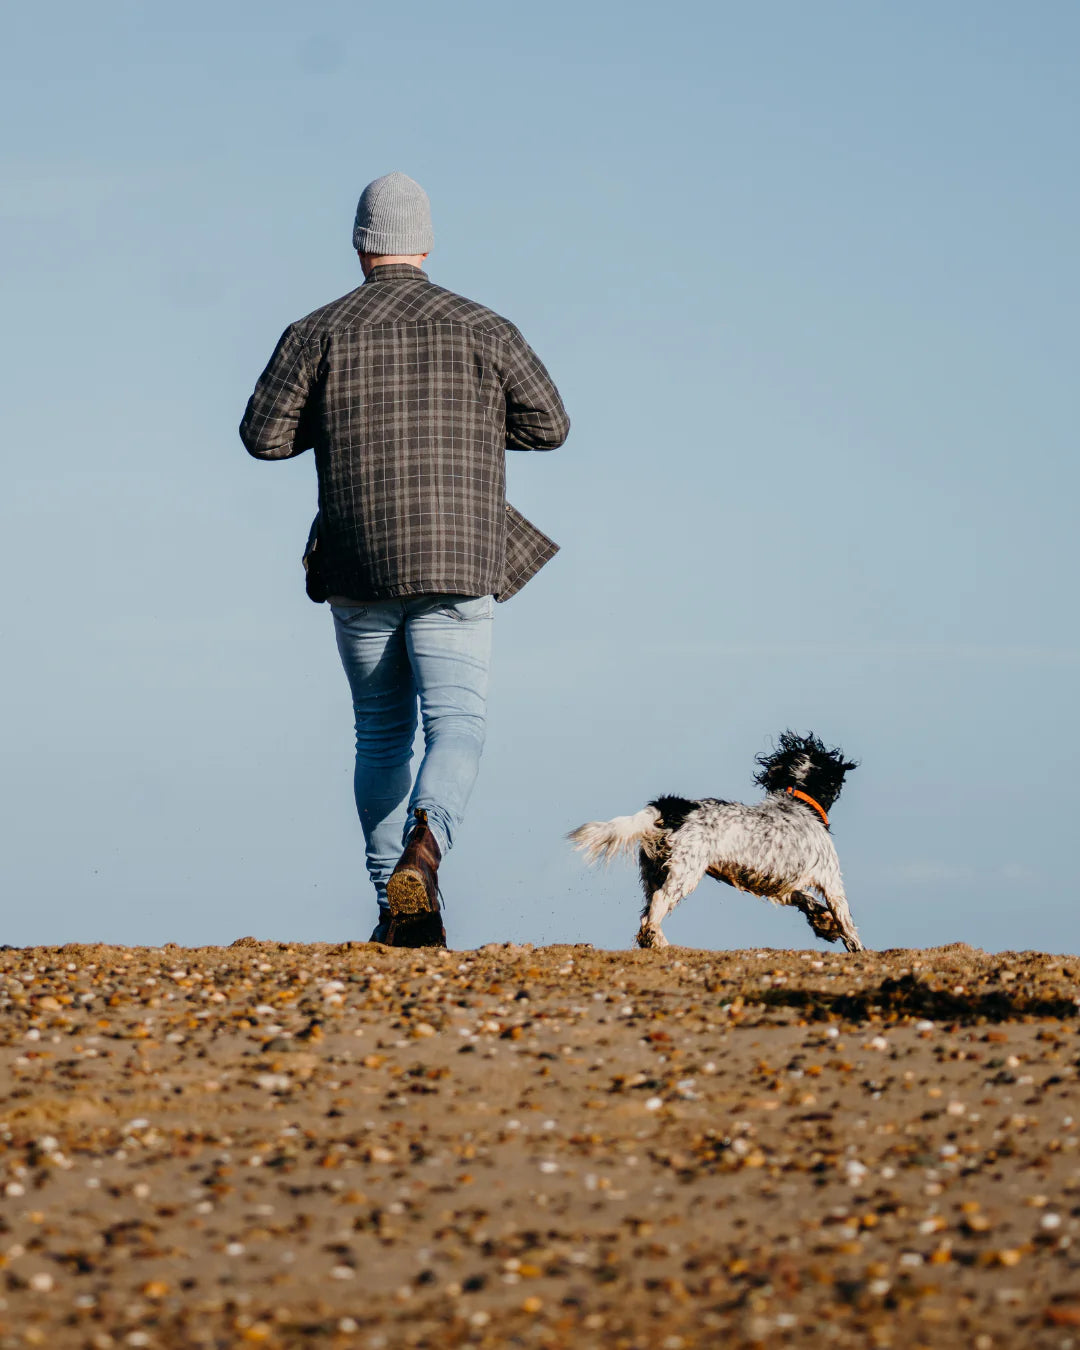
x=805, y=763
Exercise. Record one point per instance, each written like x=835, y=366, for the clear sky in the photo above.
x=807, y=276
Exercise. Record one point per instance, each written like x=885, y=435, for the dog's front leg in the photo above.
x=817, y=915
x=838, y=907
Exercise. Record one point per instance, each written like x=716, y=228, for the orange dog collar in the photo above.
x=805, y=797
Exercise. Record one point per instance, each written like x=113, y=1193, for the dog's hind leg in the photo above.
x=666, y=879
x=653, y=861
x=659, y=906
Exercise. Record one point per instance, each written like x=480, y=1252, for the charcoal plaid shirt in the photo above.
x=410, y=396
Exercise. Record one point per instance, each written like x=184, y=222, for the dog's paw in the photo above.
x=825, y=926
x=818, y=916
x=652, y=938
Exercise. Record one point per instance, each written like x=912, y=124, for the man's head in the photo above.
x=393, y=222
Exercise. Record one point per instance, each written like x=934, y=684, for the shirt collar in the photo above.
x=396, y=272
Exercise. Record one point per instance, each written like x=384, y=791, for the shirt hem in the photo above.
x=407, y=589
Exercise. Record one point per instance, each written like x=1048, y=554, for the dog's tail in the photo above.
x=602, y=840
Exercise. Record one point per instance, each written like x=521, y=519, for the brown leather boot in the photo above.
x=417, y=930
x=413, y=891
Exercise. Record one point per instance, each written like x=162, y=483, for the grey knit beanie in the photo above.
x=393, y=216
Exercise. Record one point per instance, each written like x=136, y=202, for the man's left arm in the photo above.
x=278, y=422
x=535, y=416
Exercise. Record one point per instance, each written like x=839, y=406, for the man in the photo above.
x=410, y=396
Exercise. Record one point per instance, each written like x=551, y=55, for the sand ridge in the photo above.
x=345, y=1145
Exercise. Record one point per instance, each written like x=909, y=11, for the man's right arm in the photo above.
x=277, y=423
x=535, y=416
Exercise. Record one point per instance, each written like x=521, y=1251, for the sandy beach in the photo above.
x=345, y=1145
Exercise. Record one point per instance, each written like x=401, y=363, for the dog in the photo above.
x=779, y=848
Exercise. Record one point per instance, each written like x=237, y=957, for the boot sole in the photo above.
x=407, y=895
x=423, y=930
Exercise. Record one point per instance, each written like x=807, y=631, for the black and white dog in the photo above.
x=779, y=848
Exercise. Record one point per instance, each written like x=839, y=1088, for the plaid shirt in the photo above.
x=409, y=395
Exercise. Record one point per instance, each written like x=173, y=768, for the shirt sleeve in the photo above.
x=535, y=416
x=278, y=422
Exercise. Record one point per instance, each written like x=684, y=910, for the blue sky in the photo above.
x=807, y=277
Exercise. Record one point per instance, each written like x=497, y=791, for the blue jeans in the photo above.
x=431, y=648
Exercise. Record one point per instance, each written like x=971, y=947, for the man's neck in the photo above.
x=369, y=261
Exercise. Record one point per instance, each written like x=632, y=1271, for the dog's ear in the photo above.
x=797, y=758
x=765, y=771
x=842, y=765
x=776, y=766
